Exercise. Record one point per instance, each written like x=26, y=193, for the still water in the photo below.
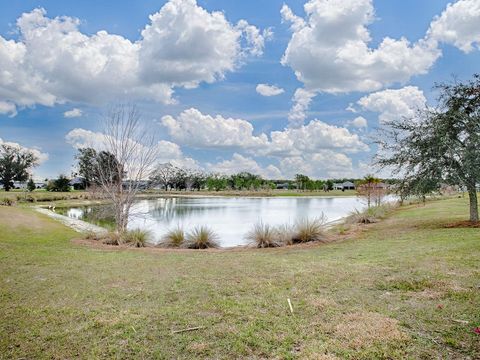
x=230, y=218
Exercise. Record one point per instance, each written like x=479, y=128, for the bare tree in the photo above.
x=126, y=161
x=163, y=175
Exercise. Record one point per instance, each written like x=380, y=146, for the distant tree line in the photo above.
x=170, y=177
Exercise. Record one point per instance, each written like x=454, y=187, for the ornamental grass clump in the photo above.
x=370, y=215
x=136, y=238
x=263, y=236
x=112, y=238
x=174, y=238
x=308, y=230
x=285, y=234
x=201, y=237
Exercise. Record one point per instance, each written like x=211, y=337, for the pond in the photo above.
x=230, y=218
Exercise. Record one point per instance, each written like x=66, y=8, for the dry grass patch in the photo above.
x=463, y=224
x=366, y=329
x=321, y=357
x=322, y=303
x=198, y=348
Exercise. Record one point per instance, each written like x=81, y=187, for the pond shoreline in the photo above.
x=84, y=226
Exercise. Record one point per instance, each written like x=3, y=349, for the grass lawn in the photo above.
x=405, y=288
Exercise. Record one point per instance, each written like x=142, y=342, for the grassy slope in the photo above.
x=377, y=296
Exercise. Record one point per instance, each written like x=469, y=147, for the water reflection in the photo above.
x=231, y=218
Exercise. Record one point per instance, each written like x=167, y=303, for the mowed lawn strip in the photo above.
x=406, y=288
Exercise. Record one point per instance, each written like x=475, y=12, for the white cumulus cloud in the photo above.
x=75, y=112
x=359, y=122
x=183, y=45
x=392, y=104
x=313, y=137
x=330, y=49
x=195, y=129
x=239, y=163
x=269, y=90
x=301, y=101
x=459, y=25
x=8, y=108
x=323, y=164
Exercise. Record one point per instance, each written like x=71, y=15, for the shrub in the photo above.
x=30, y=198
x=307, y=230
x=173, y=238
x=263, y=236
x=285, y=234
x=201, y=237
x=136, y=237
x=7, y=201
x=62, y=184
x=112, y=238
x=369, y=215
x=92, y=235
x=31, y=185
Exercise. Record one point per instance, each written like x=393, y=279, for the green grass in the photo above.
x=406, y=288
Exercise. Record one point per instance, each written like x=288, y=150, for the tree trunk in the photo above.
x=472, y=194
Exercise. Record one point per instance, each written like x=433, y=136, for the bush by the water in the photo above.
x=201, y=237
x=264, y=236
x=174, y=238
x=370, y=215
x=307, y=230
x=135, y=238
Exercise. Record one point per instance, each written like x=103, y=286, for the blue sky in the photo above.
x=337, y=56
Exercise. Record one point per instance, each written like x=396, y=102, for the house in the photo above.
x=78, y=183
x=337, y=186
x=40, y=184
x=282, y=186
x=19, y=184
x=348, y=185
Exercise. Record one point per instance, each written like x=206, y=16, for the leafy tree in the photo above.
x=62, y=184
x=179, y=179
x=329, y=184
x=93, y=167
x=302, y=181
x=87, y=165
x=216, y=182
x=30, y=185
x=440, y=145
x=197, y=180
x=15, y=162
x=417, y=187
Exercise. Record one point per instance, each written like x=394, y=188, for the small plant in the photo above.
x=263, y=236
x=201, y=237
x=285, y=234
x=136, y=237
x=92, y=235
x=7, y=201
x=112, y=238
x=308, y=230
x=369, y=215
x=31, y=185
x=30, y=198
x=173, y=238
